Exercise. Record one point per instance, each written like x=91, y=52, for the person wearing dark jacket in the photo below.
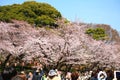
x=37, y=75
x=8, y=73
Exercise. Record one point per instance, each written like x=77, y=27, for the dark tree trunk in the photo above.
x=6, y=60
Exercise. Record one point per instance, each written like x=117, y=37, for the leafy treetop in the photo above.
x=97, y=33
x=40, y=14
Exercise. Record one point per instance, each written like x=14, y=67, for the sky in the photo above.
x=88, y=11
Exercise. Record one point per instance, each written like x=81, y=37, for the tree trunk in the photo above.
x=6, y=60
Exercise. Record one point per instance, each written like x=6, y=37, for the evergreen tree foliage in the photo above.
x=41, y=14
x=96, y=33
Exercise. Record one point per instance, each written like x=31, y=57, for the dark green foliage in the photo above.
x=44, y=20
x=96, y=33
x=41, y=14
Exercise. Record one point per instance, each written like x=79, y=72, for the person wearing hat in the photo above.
x=102, y=75
x=52, y=75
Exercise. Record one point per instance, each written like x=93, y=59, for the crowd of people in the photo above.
x=38, y=73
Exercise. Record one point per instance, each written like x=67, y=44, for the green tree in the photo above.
x=96, y=33
x=44, y=20
x=41, y=14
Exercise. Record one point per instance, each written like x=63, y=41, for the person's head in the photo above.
x=94, y=73
x=102, y=76
x=17, y=78
x=37, y=72
x=8, y=73
x=52, y=73
x=15, y=64
x=74, y=76
x=68, y=75
x=7, y=64
x=21, y=75
x=30, y=73
x=23, y=64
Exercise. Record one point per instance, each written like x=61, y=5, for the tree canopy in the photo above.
x=97, y=33
x=40, y=14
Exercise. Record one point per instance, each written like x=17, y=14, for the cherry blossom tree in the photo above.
x=66, y=45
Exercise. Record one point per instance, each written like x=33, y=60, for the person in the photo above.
x=37, y=75
x=22, y=75
x=44, y=77
x=52, y=75
x=8, y=73
x=17, y=78
x=102, y=75
x=1, y=77
x=68, y=76
x=116, y=75
x=30, y=76
x=22, y=66
x=59, y=74
x=110, y=75
x=114, y=78
x=74, y=76
x=94, y=75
